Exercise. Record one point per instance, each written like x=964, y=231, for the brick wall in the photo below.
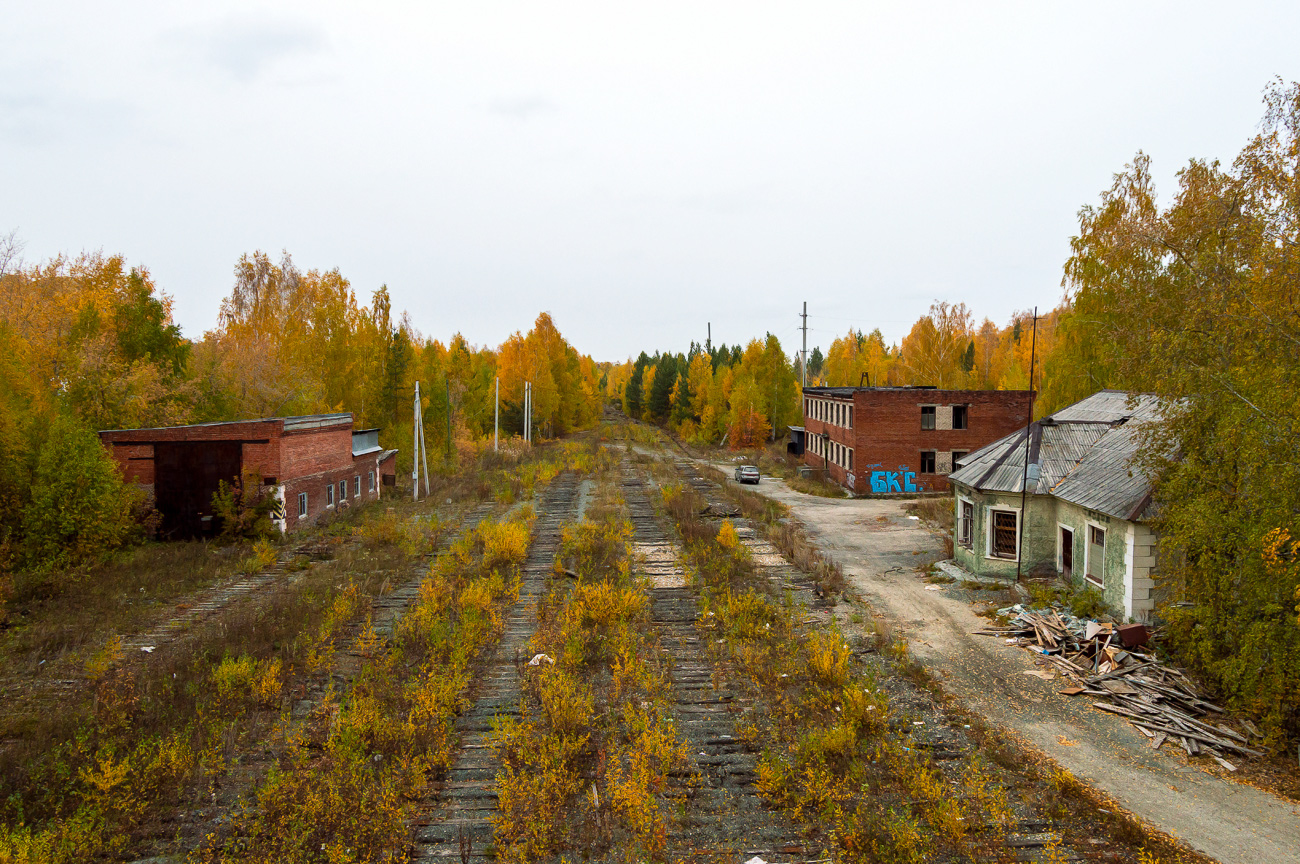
x=315, y=451
x=300, y=461
x=318, y=497
x=880, y=448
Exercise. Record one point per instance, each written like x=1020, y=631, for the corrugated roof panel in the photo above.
x=1083, y=458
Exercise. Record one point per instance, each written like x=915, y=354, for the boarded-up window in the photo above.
x=965, y=530
x=1004, y=534
x=927, y=416
x=1096, y=554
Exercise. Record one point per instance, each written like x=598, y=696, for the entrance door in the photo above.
x=1067, y=554
x=186, y=474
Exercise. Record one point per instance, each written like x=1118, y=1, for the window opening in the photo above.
x=927, y=416
x=1004, y=533
x=965, y=529
x=329, y=494
x=302, y=504
x=356, y=486
x=927, y=461
x=959, y=416
x=1096, y=554
x=370, y=478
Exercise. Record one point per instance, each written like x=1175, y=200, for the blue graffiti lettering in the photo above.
x=908, y=477
x=878, y=482
x=892, y=479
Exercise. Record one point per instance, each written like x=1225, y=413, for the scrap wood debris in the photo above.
x=1105, y=662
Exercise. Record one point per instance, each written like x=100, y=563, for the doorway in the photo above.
x=1067, y=554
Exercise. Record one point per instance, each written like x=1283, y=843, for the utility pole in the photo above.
x=419, y=452
x=708, y=340
x=496, y=419
x=448, y=419
x=415, y=446
x=1024, y=478
x=528, y=412
x=803, y=367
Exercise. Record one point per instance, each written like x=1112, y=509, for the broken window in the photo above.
x=343, y=490
x=927, y=461
x=329, y=494
x=927, y=416
x=965, y=527
x=959, y=416
x=1004, y=533
x=957, y=456
x=371, y=480
x=356, y=486
x=302, y=504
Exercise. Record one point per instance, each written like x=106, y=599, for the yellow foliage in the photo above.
x=727, y=537
x=104, y=659
x=237, y=679
x=828, y=657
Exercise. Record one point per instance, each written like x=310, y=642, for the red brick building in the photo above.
x=899, y=440
x=314, y=464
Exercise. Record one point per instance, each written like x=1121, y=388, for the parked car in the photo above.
x=746, y=474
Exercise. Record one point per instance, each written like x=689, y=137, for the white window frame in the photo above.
x=971, y=528
x=356, y=486
x=1087, y=552
x=302, y=504
x=990, y=527
x=329, y=496
x=371, y=479
x=1060, y=547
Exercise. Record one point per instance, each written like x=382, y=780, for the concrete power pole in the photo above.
x=415, y=446
x=708, y=340
x=803, y=367
x=496, y=419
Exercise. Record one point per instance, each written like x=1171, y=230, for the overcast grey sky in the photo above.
x=637, y=170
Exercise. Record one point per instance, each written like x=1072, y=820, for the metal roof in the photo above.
x=1084, y=452
x=849, y=391
x=303, y=421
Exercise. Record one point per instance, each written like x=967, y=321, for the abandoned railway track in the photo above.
x=455, y=819
x=720, y=806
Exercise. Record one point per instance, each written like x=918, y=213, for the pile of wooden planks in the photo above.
x=1161, y=702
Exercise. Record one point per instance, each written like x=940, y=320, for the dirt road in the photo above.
x=879, y=548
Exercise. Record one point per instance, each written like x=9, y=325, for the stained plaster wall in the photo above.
x=1130, y=547
x=1039, y=547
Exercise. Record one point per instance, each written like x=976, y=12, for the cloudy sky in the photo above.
x=638, y=170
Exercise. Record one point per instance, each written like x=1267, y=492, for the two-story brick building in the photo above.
x=313, y=464
x=901, y=440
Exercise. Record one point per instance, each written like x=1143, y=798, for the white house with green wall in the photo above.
x=1081, y=511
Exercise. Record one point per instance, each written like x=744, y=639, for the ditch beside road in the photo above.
x=880, y=548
